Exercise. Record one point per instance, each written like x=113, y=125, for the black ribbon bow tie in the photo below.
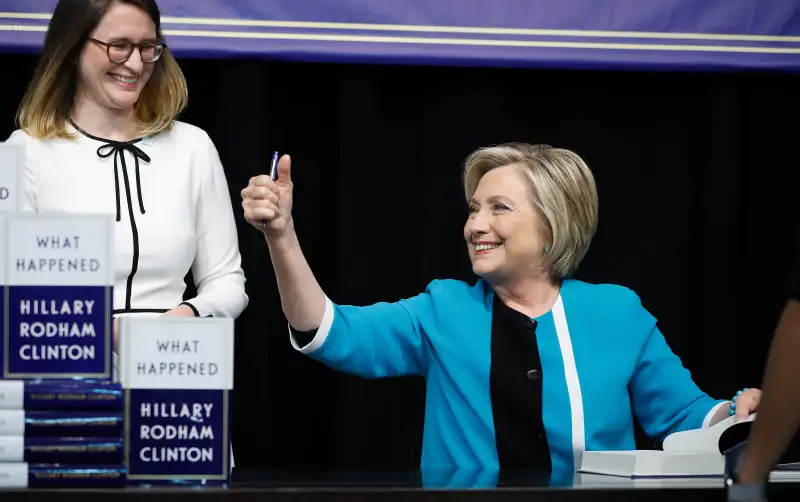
x=117, y=149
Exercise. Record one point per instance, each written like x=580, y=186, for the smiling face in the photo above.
x=111, y=85
x=504, y=230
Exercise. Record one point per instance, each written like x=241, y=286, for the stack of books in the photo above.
x=61, y=433
x=61, y=419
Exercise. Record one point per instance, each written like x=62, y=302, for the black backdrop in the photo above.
x=698, y=179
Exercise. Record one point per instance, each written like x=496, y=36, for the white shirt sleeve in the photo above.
x=217, y=267
x=28, y=196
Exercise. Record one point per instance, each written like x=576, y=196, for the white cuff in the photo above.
x=710, y=414
x=322, y=331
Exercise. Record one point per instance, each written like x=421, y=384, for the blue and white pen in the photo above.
x=273, y=168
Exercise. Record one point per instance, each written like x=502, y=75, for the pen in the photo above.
x=273, y=168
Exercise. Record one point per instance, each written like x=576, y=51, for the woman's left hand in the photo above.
x=747, y=403
x=179, y=311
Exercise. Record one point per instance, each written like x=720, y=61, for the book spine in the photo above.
x=93, y=451
x=55, y=395
x=61, y=423
x=25, y=475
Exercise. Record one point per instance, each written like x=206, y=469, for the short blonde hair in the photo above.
x=563, y=192
x=46, y=107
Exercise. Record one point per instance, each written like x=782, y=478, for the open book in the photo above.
x=693, y=453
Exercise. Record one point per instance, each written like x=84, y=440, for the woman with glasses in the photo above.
x=98, y=123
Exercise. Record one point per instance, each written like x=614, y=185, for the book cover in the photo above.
x=58, y=301
x=62, y=395
x=62, y=450
x=177, y=374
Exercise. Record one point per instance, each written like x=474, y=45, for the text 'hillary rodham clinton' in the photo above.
x=200, y=430
x=177, y=368
x=51, y=264
x=39, y=310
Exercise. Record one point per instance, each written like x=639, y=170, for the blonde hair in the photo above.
x=563, y=192
x=46, y=107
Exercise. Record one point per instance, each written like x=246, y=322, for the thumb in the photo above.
x=285, y=170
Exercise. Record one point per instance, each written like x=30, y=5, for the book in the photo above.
x=715, y=439
x=29, y=475
x=692, y=453
x=57, y=307
x=783, y=473
x=61, y=395
x=61, y=423
x=62, y=450
x=177, y=374
x=653, y=464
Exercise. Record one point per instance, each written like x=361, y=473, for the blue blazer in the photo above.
x=597, y=359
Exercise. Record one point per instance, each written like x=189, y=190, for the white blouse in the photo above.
x=173, y=212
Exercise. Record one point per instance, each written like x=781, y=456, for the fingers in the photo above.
x=256, y=212
x=742, y=410
x=263, y=187
x=746, y=404
x=261, y=198
x=261, y=180
x=755, y=400
x=260, y=192
x=259, y=187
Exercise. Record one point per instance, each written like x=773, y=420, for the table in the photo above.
x=274, y=486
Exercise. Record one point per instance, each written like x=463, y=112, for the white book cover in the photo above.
x=58, y=279
x=705, y=440
x=693, y=453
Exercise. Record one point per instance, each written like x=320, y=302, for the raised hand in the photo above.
x=268, y=204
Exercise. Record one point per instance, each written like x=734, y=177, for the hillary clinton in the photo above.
x=526, y=368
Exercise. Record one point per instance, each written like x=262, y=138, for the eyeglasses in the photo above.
x=119, y=51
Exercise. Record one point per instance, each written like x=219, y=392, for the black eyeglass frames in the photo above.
x=119, y=51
